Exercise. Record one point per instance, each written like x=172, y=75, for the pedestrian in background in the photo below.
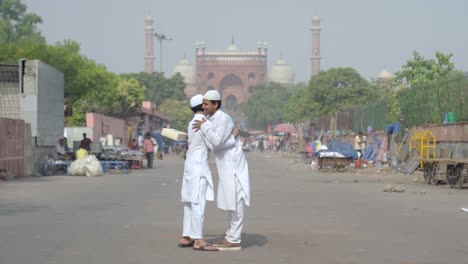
x=148, y=148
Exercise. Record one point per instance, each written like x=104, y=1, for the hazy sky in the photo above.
x=364, y=34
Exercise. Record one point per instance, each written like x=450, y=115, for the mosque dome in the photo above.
x=186, y=70
x=281, y=72
x=385, y=75
x=232, y=47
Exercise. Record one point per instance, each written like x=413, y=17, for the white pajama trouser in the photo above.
x=236, y=217
x=194, y=214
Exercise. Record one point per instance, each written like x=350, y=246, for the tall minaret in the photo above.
x=149, y=35
x=315, y=59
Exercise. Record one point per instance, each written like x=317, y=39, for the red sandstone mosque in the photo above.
x=233, y=72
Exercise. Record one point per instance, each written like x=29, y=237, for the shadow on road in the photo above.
x=248, y=240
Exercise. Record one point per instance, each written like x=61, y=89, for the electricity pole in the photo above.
x=161, y=37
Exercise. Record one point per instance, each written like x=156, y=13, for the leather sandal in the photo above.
x=206, y=247
x=182, y=245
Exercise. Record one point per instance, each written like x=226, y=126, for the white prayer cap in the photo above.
x=212, y=95
x=196, y=100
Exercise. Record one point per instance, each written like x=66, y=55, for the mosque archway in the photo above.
x=231, y=103
x=211, y=75
x=230, y=80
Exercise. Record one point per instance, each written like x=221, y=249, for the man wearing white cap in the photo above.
x=234, y=186
x=197, y=184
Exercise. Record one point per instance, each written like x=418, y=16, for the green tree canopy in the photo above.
x=418, y=69
x=16, y=25
x=338, y=89
x=158, y=87
x=300, y=108
x=266, y=106
x=179, y=112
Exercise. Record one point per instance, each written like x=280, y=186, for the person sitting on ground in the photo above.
x=132, y=144
x=61, y=152
x=357, y=143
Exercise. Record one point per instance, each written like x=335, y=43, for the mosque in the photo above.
x=234, y=72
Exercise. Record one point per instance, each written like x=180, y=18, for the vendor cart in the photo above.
x=339, y=164
x=445, y=169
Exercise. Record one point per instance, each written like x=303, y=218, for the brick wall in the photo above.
x=12, y=145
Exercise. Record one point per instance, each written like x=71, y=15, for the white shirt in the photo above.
x=196, y=166
x=60, y=149
x=230, y=160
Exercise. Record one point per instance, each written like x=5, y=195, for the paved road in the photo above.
x=297, y=216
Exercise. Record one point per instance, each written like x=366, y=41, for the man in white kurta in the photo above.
x=197, y=184
x=234, y=186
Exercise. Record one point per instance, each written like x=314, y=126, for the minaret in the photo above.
x=315, y=59
x=149, y=34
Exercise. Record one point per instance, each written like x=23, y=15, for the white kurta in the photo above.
x=229, y=158
x=196, y=166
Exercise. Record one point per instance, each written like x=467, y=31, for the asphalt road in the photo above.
x=297, y=216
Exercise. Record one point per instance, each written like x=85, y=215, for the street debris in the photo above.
x=464, y=209
x=393, y=188
x=6, y=175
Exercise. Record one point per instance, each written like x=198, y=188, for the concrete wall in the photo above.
x=42, y=102
x=51, y=85
x=103, y=125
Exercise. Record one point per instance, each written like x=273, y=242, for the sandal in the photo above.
x=182, y=245
x=206, y=247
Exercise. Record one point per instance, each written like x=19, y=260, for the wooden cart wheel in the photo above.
x=427, y=172
x=460, y=178
x=434, y=177
x=451, y=175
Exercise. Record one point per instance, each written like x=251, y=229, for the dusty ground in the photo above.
x=297, y=216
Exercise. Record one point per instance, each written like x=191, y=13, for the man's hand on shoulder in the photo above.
x=198, y=123
x=235, y=132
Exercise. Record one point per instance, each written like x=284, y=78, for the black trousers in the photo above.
x=150, y=158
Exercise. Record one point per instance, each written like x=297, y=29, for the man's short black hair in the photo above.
x=197, y=108
x=216, y=101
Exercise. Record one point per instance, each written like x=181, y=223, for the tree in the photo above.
x=127, y=99
x=338, y=89
x=16, y=25
x=266, y=106
x=158, y=87
x=418, y=69
x=178, y=111
x=429, y=80
x=300, y=108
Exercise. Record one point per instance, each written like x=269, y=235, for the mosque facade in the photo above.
x=232, y=72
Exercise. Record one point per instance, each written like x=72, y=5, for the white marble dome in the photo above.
x=385, y=75
x=186, y=70
x=232, y=47
x=281, y=72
